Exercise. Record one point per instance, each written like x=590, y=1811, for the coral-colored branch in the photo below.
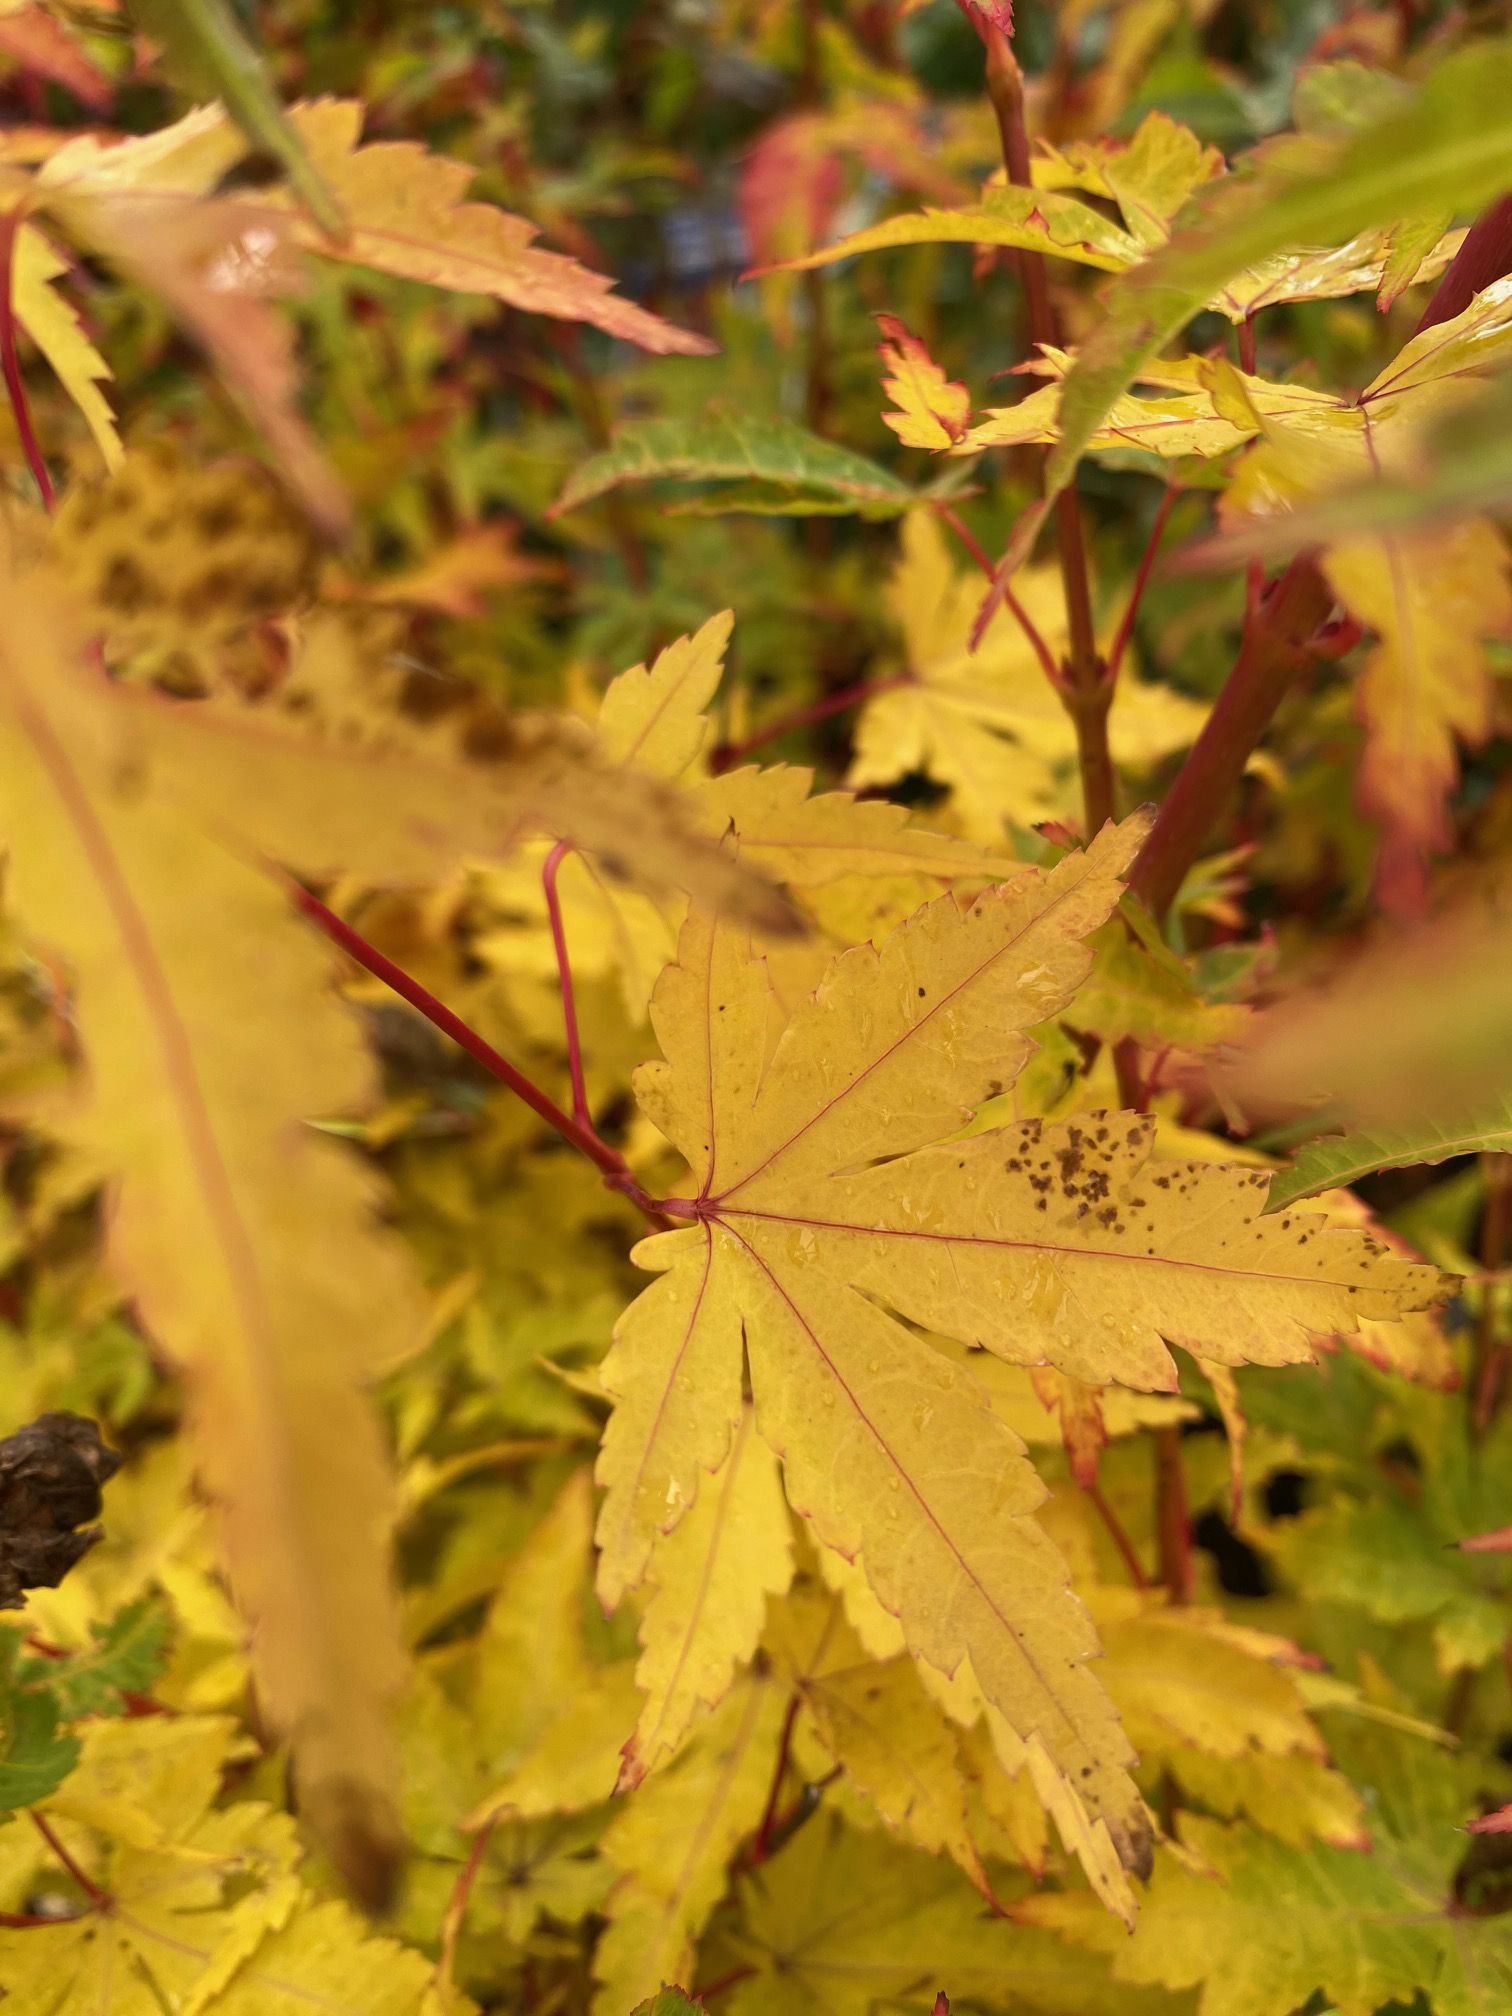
x=549, y=870
x=10, y=226
x=1117, y=1535
x=761, y=1846
x=1085, y=687
x=456, y=1907
x=1141, y=581
x=717, y=1987
x=614, y=1168
x=1016, y=608
x=1267, y=663
x=98, y=1897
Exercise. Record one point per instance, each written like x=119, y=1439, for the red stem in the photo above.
x=1264, y=669
x=456, y=1908
x=98, y=1897
x=1141, y=581
x=1117, y=1535
x=1174, y=1532
x=730, y=753
x=718, y=1986
x=761, y=1846
x=20, y=1921
x=10, y=226
x=553, y=862
x=1016, y=608
x=1084, y=685
x=615, y=1170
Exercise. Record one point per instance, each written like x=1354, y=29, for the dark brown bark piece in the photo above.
x=51, y=1473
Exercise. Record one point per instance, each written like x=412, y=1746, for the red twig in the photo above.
x=1174, y=1532
x=553, y=862
x=728, y=754
x=10, y=226
x=456, y=1908
x=1016, y=608
x=98, y=1897
x=718, y=1987
x=1266, y=665
x=1141, y=581
x=20, y=1921
x=1084, y=685
x=615, y=1170
x=1117, y=1535
x=761, y=1846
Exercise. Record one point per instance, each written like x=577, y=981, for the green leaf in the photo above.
x=207, y=45
x=1265, y=1925
x=1341, y=1159
x=777, y=466
x=670, y=2002
x=34, y=1758
x=125, y=1658
x=1449, y=146
x=1033, y=220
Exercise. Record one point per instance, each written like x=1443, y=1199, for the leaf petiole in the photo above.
x=612, y=1165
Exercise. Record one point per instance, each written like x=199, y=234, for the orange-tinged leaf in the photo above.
x=1430, y=597
x=406, y=215
x=249, y=1245
x=933, y=412
x=214, y=264
x=1499, y=1541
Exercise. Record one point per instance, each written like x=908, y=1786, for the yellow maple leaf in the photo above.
x=933, y=411
x=656, y=721
x=56, y=330
x=1430, y=597
x=403, y=206
x=195, y=1906
x=878, y=1722
x=819, y=1204
x=227, y=1211
x=704, y=1615
x=988, y=723
x=672, y=1843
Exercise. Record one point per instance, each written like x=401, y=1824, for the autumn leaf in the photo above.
x=797, y=1222
x=227, y=1210
x=403, y=209
x=705, y=1614
x=932, y=412
x=209, y=48
x=1441, y=144
x=673, y=1842
x=195, y=1904
x=987, y=722
x=1365, y=1929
